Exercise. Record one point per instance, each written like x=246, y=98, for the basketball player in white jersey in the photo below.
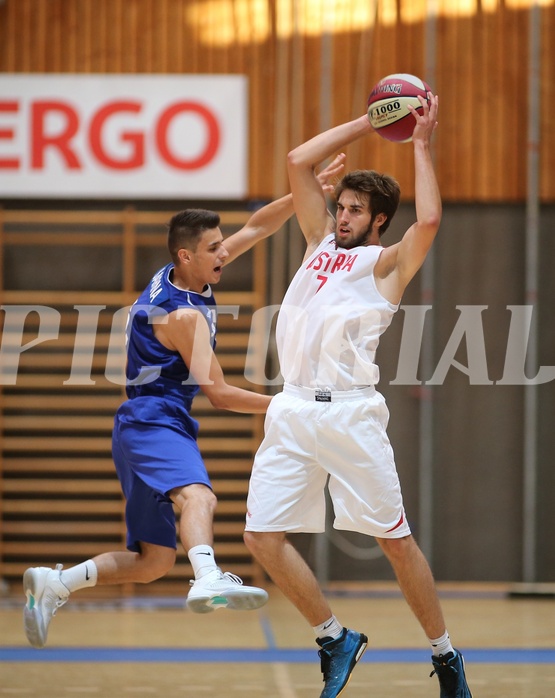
x=330, y=420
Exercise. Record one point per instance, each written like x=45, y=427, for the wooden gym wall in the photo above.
x=312, y=63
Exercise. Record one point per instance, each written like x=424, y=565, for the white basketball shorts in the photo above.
x=305, y=441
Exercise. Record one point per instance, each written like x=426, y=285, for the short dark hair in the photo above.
x=382, y=191
x=186, y=227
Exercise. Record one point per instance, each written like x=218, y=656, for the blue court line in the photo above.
x=266, y=625
x=259, y=656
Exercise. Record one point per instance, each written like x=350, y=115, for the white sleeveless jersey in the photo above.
x=331, y=319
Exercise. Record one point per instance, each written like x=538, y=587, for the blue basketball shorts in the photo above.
x=155, y=450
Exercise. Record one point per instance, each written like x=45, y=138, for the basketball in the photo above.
x=388, y=105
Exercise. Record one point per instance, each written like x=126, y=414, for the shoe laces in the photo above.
x=447, y=674
x=58, y=604
x=232, y=578
x=228, y=576
x=59, y=601
x=325, y=662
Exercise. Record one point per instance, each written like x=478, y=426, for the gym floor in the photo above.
x=152, y=646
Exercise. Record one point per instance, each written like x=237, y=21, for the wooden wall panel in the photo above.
x=547, y=151
x=487, y=47
x=481, y=73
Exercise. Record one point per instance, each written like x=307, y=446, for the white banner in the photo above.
x=123, y=136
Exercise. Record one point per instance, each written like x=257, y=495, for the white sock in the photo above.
x=441, y=645
x=329, y=628
x=202, y=559
x=80, y=576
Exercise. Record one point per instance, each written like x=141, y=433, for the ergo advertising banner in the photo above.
x=123, y=136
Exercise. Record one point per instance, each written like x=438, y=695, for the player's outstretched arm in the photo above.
x=427, y=195
x=186, y=331
x=270, y=218
x=309, y=201
x=399, y=263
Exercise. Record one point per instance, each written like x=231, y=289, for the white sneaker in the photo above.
x=45, y=594
x=219, y=589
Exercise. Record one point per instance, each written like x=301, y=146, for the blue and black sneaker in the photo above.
x=338, y=658
x=449, y=669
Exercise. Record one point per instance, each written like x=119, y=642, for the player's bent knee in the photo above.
x=251, y=541
x=255, y=542
x=195, y=493
x=396, y=547
x=258, y=542
x=156, y=563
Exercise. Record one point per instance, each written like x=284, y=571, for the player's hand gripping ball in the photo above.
x=388, y=105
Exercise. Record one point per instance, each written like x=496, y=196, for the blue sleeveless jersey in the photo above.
x=152, y=369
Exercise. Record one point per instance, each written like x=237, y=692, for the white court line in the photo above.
x=523, y=680
x=283, y=680
x=251, y=687
x=191, y=688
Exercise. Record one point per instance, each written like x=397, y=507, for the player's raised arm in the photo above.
x=308, y=198
x=399, y=263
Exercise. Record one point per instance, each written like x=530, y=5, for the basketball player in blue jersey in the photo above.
x=170, y=341
x=330, y=421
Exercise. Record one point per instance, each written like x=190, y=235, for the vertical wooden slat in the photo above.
x=159, y=32
x=145, y=42
x=129, y=252
x=43, y=48
x=281, y=18
x=514, y=128
x=547, y=100
x=191, y=22
x=97, y=38
x=465, y=125
x=176, y=38
x=282, y=100
x=447, y=133
x=486, y=55
x=364, y=79
x=83, y=37
x=112, y=37
x=258, y=63
x=57, y=62
x=69, y=30
x=301, y=75
x=23, y=37
x=7, y=45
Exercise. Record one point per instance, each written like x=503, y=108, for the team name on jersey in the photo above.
x=156, y=285
x=329, y=263
x=211, y=315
